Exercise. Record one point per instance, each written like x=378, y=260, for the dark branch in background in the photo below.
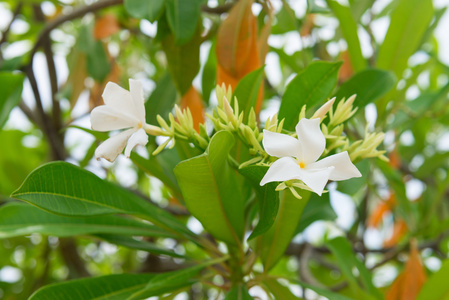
x=218, y=9
x=8, y=27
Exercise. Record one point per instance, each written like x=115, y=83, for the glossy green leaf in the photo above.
x=317, y=208
x=183, y=17
x=247, y=91
x=369, y=85
x=349, y=28
x=348, y=262
x=161, y=100
x=169, y=281
x=150, y=10
x=238, y=293
x=279, y=291
x=211, y=192
x=183, y=60
x=23, y=219
x=63, y=188
x=436, y=287
x=272, y=244
x=133, y=243
x=11, y=85
x=110, y=287
x=409, y=21
x=310, y=87
x=268, y=198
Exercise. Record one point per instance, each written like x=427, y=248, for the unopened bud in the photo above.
x=322, y=111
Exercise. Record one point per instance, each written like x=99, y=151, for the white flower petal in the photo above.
x=113, y=146
x=343, y=167
x=119, y=98
x=136, y=90
x=280, y=145
x=316, y=179
x=106, y=118
x=283, y=169
x=138, y=138
x=311, y=139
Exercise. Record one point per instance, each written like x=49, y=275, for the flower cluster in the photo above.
x=293, y=158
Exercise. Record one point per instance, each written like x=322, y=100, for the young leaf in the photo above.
x=210, y=190
x=408, y=284
x=272, y=244
x=63, y=188
x=267, y=196
x=347, y=262
x=23, y=219
x=111, y=287
x=409, y=22
x=11, y=90
x=310, y=87
x=369, y=85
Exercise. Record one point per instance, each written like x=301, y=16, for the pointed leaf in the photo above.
x=63, y=188
x=161, y=100
x=23, y=219
x=436, y=287
x=210, y=190
x=369, y=85
x=310, y=87
x=150, y=10
x=110, y=287
x=409, y=22
x=278, y=290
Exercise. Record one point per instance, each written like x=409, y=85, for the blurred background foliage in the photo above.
x=57, y=56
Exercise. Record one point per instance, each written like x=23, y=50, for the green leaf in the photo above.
x=150, y=10
x=247, y=91
x=285, y=20
x=132, y=243
x=349, y=28
x=409, y=22
x=317, y=208
x=369, y=85
x=110, y=287
x=310, y=87
x=210, y=190
x=11, y=85
x=267, y=197
x=320, y=291
x=97, y=62
x=183, y=17
x=161, y=100
x=272, y=244
x=238, y=293
x=166, y=282
x=183, y=60
x=23, y=219
x=278, y=290
x=208, y=79
x=436, y=287
x=63, y=188
x=348, y=262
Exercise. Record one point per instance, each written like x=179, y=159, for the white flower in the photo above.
x=122, y=110
x=298, y=158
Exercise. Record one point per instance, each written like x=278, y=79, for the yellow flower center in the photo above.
x=302, y=165
x=139, y=125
